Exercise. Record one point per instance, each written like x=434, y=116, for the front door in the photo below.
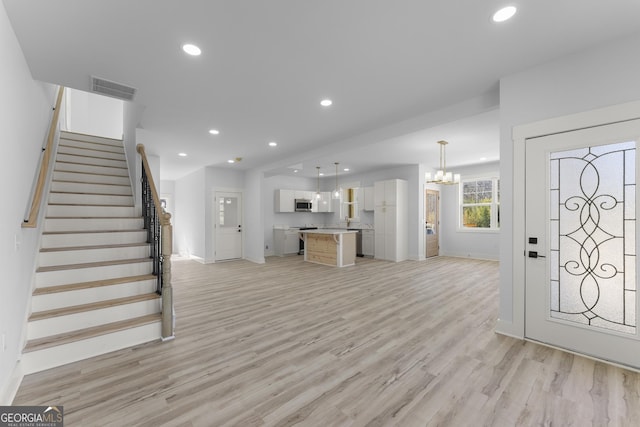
x=228, y=224
x=432, y=223
x=581, y=241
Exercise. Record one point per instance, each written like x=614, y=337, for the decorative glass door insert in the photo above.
x=592, y=236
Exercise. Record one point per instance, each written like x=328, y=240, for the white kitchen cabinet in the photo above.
x=390, y=220
x=368, y=242
x=286, y=241
x=284, y=201
x=369, y=203
x=304, y=194
x=324, y=204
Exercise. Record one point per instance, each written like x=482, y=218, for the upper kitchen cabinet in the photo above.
x=368, y=204
x=324, y=203
x=284, y=201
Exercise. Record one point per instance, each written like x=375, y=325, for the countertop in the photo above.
x=328, y=231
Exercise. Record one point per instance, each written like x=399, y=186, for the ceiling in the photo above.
x=392, y=68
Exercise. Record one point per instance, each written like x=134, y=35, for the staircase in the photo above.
x=94, y=291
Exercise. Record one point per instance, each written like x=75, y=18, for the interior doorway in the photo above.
x=432, y=222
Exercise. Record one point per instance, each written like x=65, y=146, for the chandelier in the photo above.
x=442, y=176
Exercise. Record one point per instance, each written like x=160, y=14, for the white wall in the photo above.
x=254, y=220
x=25, y=114
x=453, y=241
x=217, y=179
x=94, y=114
x=602, y=76
x=189, y=220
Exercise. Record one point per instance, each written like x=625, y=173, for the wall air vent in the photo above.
x=113, y=89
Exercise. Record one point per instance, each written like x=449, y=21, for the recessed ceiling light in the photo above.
x=321, y=173
x=214, y=131
x=346, y=169
x=182, y=154
x=231, y=161
x=482, y=159
x=191, y=49
x=504, y=14
x=273, y=144
x=295, y=171
x=326, y=102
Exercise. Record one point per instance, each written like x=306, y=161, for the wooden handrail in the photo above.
x=154, y=191
x=32, y=220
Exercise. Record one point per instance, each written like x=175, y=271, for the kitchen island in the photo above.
x=330, y=247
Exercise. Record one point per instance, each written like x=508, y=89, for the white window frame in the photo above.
x=494, y=204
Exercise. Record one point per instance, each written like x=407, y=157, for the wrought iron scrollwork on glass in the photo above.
x=592, y=245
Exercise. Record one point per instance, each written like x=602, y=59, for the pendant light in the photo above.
x=336, y=192
x=318, y=195
x=442, y=176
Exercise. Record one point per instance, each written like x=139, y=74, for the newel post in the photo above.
x=167, y=289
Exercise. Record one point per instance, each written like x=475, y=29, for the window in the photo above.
x=480, y=204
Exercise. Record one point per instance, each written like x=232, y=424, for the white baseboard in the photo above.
x=508, y=329
x=197, y=259
x=256, y=260
x=8, y=393
x=480, y=256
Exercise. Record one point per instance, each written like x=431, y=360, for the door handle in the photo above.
x=534, y=254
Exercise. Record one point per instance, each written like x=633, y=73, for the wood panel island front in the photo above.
x=330, y=247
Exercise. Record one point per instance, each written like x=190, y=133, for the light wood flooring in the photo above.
x=377, y=344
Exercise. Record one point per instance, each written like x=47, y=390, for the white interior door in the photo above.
x=228, y=218
x=581, y=241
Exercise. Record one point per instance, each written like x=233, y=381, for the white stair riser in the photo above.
x=90, y=160
x=90, y=138
x=91, y=145
x=90, y=211
x=52, y=357
x=92, y=224
x=85, y=187
x=86, y=239
x=104, y=170
x=90, y=199
x=79, y=275
x=47, y=259
x=91, y=178
x=43, y=302
x=72, y=322
x=90, y=152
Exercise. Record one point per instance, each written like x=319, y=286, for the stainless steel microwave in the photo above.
x=303, y=205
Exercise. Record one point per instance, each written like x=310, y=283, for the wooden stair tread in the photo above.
x=89, y=247
x=75, y=147
x=94, y=284
x=91, y=157
x=88, y=194
x=88, y=204
x=64, y=311
x=92, y=264
x=135, y=230
x=68, y=181
x=93, y=217
x=91, y=173
x=95, y=331
x=90, y=164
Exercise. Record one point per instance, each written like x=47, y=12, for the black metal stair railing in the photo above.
x=154, y=231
